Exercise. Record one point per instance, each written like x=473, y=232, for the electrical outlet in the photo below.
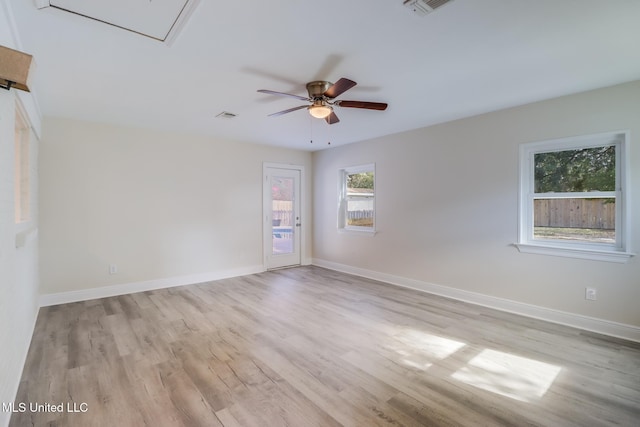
x=113, y=269
x=590, y=294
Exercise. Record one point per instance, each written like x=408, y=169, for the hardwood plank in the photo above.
x=185, y=397
x=313, y=347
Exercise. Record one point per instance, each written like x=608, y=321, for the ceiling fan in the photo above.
x=322, y=96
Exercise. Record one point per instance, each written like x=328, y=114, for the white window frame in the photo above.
x=617, y=252
x=343, y=197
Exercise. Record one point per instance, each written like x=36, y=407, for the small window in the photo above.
x=573, y=196
x=357, y=198
x=21, y=167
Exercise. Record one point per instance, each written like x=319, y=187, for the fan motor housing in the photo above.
x=317, y=88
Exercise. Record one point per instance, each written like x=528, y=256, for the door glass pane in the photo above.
x=575, y=219
x=282, y=215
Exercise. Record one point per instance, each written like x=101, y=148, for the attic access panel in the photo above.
x=158, y=19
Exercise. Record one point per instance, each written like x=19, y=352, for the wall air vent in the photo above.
x=424, y=7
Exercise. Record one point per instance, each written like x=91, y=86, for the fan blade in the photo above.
x=279, y=113
x=332, y=118
x=271, y=92
x=363, y=104
x=339, y=87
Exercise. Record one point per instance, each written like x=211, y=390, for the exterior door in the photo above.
x=282, y=226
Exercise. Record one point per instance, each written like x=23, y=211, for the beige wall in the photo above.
x=158, y=205
x=447, y=206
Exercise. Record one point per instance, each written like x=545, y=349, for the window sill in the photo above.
x=590, y=254
x=356, y=231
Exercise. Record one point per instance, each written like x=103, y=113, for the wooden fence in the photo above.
x=562, y=213
x=282, y=213
x=283, y=217
x=575, y=213
x=360, y=214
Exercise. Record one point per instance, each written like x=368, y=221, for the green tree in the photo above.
x=587, y=169
x=360, y=180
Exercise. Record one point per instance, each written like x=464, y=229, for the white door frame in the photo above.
x=267, y=208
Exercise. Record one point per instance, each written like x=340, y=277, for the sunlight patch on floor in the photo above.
x=419, y=349
x=509, y=375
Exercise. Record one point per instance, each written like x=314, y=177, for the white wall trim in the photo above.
x=147, y=285
x=614, y=329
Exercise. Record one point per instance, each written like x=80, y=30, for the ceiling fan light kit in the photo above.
x=320, y=111
x=322, y=96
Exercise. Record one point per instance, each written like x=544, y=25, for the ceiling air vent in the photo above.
x=424, y=7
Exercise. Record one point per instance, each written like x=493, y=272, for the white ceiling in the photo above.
x=466, y=58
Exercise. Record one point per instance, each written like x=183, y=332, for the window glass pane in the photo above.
x=586, y=169
x=360, y=182
x=575, y=219
x=360, y=194
x=360, y=211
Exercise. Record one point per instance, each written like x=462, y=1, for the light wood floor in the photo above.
x=312, y=347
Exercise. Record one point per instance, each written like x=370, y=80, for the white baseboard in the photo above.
x=148, y=285
x=618, y=330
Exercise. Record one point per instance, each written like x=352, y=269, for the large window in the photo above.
x=357, y=198
x=573, y=197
